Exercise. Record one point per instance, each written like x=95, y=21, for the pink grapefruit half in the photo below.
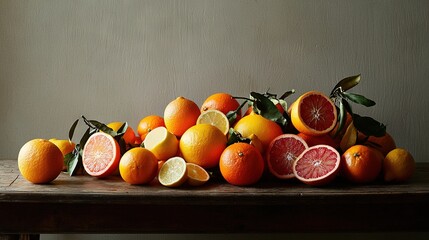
x=282, y=153
x=101, y=155
x=317, y=165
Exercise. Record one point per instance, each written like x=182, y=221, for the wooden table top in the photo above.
x=83, y=204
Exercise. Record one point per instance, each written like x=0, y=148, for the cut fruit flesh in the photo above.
x=314, y=114
x=215, y=118
x=317, y=165
x=282, y=153
x=196, y=174
x=101, y=155
x=173, y=172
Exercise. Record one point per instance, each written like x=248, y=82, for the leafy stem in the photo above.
x=342, y=99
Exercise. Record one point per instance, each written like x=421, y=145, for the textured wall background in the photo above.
x=123, y=60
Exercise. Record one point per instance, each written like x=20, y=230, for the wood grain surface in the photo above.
x=84, y=204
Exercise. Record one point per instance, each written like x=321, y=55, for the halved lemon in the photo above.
x=173, y=172
x=162, y=143
x=215, y=118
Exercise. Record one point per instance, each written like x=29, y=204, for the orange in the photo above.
x=202, y=144
x=66, y=146
x=197, y=175
x=266, y=130
x=384, y=144
x=129, y=135
x=149, y=123
x=101, y=155
x=313, y=113
x=223, y=102
x=361, y=164
x=241, y=164
x=398, y=166
x=40, y=161
x=180, y=114
x=138, y=166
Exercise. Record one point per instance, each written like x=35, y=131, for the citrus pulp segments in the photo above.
x=197, y=175
x=215, y=118
x=173, y=172
x=314, y=114
x=282, y=153
x=101, y=155
x=317, y=165
x=162, y=143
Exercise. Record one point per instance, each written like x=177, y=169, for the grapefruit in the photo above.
x=317, y=165
x=282, y=153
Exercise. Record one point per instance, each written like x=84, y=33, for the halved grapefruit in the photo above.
x=282, y=153
x=101, y=155
x=317, y=165
x=314, y=113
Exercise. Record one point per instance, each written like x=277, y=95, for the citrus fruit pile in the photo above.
x=315, y=139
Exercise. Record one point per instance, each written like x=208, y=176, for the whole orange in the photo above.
x=384, y=144
x=180, y=114
x=149, y=123
x=138, y=166
x=40, y=161
x=266, y=130
x=241, y=164
x=223, y=102
x=361, y=164
x=202, y=144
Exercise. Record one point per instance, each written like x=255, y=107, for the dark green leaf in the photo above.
x=369, y=126
x=71, y=160
x=235, y=137
x=287, y=94
x=359, y=99
x=267, y=109
x=121, y=131
x=102, y=127
x=342, y=116
x=85, y=137
x=347, y=83
x=72, y=128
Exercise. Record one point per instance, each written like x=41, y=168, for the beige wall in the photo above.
x=123, y=60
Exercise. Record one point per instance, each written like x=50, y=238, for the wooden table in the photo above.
x=83, y=204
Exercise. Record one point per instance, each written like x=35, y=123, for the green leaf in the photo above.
x=287, y=94
x=71, y=160
x=342, y=116
x=267, y=108
x=347, y=83
x=121, y=131
x=235, y=137
x=103, y=127
x=85, y=137
x=359, y=99
x=72, y=128
x=369, y=126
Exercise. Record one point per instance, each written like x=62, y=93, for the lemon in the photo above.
x=398, y=165
x=215, y=118
x=162, y=143
x=173, y=172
